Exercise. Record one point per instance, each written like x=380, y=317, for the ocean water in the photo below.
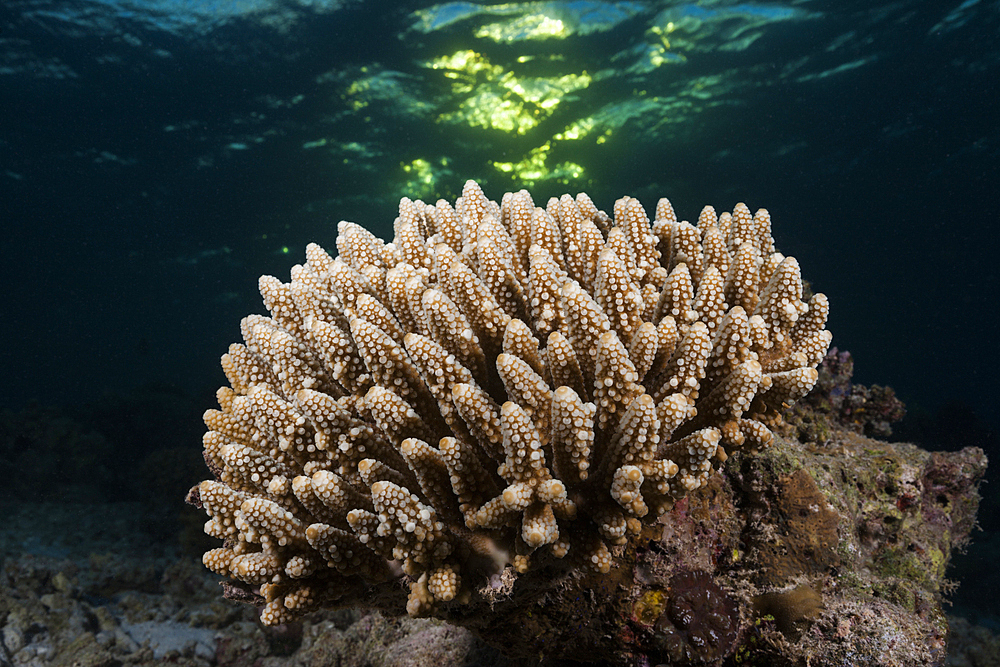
x=157, y=156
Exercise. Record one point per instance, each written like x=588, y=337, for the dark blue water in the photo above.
x=156, y=157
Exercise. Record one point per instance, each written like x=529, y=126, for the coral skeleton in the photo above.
x=501, y=388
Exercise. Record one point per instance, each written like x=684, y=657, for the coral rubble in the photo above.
x=503, y=391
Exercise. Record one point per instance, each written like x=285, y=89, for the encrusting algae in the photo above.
x=502, y=388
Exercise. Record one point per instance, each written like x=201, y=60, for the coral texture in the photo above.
x=500, y=390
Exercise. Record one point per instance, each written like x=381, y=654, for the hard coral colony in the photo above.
x=501, y=389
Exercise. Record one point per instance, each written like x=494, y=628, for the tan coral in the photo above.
x=502, y=386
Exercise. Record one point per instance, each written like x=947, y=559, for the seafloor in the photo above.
x=93, y=585
x=101, y=560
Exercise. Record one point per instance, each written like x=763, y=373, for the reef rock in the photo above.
x=812, y=554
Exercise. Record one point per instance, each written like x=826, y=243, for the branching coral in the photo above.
x=502, y=387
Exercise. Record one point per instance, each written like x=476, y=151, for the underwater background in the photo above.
x=157, y=156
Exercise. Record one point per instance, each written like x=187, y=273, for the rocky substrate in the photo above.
x=818, y=554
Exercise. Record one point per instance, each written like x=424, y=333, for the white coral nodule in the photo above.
x=502, y=385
